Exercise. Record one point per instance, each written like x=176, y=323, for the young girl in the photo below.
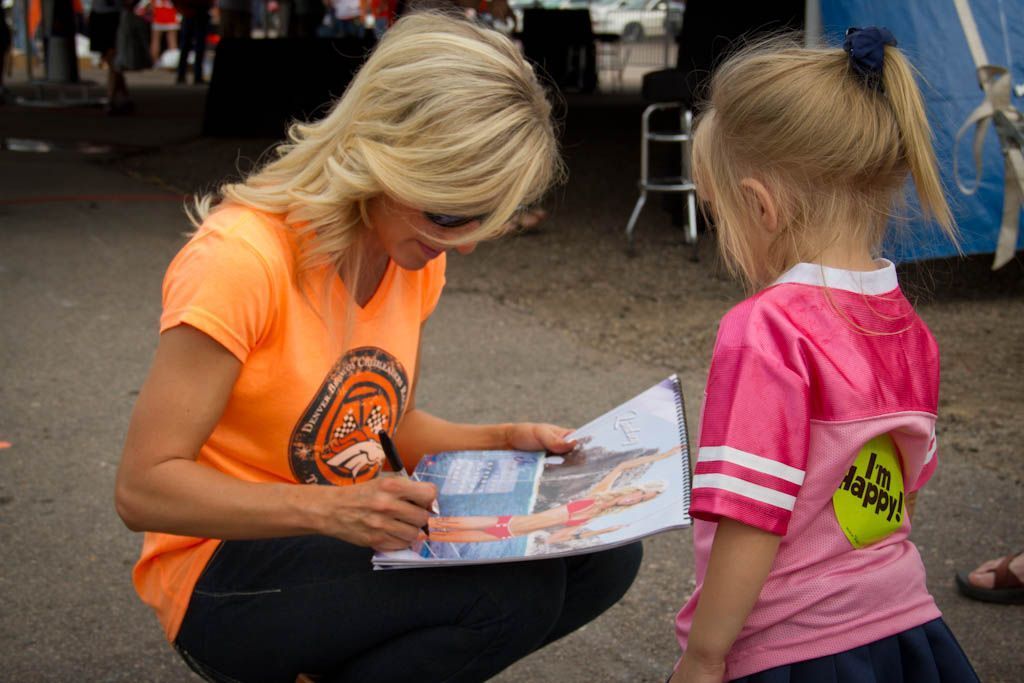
x=819, y=419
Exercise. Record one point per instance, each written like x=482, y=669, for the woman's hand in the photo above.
x=386, y=513
x=693, y=670
x=534, y=436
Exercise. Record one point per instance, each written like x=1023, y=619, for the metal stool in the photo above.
x=682, y=183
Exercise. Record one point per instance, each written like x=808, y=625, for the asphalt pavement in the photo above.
x=83, y=247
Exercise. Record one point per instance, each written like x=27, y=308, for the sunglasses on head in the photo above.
x=443, y=220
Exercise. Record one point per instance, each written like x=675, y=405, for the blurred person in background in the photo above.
x=5, y=47
x=104, y=18
x=347, y=19
x=195, y=24
x=166, y=23
x=235, y=18
x=382, y=14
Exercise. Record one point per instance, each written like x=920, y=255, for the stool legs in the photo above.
x=645, y=130
x=683, y=183
x=692, y=237
x=632, y=221
x=686, y=164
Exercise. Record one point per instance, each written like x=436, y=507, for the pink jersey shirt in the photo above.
x=818, y=420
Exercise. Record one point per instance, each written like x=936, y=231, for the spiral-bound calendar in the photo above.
x=627, y=478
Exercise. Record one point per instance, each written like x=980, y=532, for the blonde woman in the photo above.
x=290, y=338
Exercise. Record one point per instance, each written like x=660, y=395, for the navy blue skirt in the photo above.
x=925, y=654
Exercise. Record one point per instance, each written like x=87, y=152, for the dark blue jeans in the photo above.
x=268, y=610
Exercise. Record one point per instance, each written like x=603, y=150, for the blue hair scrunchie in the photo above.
x=866, y=48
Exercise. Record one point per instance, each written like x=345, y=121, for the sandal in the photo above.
x=529, y=219
x=1007, y=588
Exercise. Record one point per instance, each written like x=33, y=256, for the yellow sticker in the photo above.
x=869, y=501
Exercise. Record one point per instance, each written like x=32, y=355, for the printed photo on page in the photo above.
x=627, y=479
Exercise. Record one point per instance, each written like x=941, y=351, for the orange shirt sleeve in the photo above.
x=220, y=284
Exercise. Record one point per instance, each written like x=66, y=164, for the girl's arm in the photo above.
x=741, y=557
x=161, y=487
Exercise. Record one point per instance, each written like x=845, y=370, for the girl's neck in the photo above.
x=853, y=253
x=842, y=257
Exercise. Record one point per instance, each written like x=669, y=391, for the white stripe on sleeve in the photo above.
x=751, y=461
x=762, y=494
x=933, y=445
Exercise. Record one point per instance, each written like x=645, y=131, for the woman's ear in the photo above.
x=762, y=204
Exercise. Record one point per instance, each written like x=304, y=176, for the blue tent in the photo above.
x=930, y=33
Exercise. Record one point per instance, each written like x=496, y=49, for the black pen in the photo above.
x=391, y=453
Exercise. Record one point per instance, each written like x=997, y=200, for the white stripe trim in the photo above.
x=873, y=282
x=933, y=446
x=761, y=494
x=751, y=461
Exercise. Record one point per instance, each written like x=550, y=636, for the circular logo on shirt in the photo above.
x=335, y=441
x=869, y=500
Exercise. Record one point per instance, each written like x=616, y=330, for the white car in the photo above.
x=635, y=20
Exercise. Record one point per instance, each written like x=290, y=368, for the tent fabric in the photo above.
x=931, y=35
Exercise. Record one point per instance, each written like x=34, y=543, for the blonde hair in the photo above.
x=444, y=115
x=833, y=152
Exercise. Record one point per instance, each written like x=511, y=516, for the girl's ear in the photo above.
x=762, y=205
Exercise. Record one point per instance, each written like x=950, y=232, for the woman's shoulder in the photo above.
x=235, y=227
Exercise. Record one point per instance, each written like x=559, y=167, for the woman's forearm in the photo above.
x=183, y=497
x=420, y=433
x=186, y=498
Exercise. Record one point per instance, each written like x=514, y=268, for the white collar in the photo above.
x=873, y=282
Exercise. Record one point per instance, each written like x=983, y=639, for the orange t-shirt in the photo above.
x=303, y=410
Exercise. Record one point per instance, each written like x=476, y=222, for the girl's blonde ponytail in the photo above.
x=916, y=137
x=832, y=136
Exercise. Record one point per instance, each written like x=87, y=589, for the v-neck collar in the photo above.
x=378, y=297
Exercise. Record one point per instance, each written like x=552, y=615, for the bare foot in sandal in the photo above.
x=530, y=218
x=1000, y=580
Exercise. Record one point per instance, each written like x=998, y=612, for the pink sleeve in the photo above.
x=753, y=440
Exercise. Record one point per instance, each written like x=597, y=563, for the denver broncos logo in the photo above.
x=335, y=441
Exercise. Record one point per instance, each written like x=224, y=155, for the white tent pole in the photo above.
x=963, y=9
x=996, y=108
x=812, y=23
